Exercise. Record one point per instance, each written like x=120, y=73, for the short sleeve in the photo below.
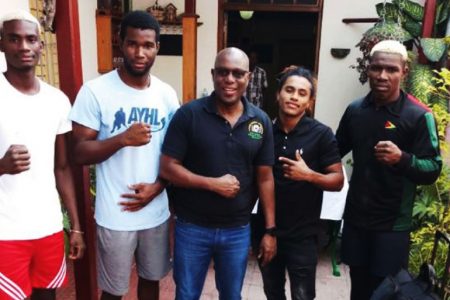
x=173, y=102
x=176, y=140
x=329, y=151
x=65, y=125
x=266, y=154
x=86, y=109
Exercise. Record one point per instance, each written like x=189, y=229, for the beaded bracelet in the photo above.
x=76, y=231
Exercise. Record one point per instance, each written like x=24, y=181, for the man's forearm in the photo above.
x=66, y=190
x=268, y=206
x=332, y=180
x=266, y=191
x=420, y=170
x=179, y=176
x=161, y=184
x=95, y=151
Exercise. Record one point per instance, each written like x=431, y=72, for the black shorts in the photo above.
x=383, y=252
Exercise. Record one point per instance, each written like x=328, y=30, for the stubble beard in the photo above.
x=135, y=73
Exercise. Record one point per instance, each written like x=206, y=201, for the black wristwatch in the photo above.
x=272, y=231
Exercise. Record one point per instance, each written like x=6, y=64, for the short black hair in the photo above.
x=301, y=72
x=141, y=20
x=297, y=71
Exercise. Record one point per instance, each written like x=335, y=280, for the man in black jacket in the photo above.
x=395, y=147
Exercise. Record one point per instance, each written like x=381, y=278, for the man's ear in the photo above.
x=157, y=47
x=41, y=47
x=405, y=70
x=310, y=105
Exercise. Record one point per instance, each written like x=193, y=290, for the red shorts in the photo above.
x=31, y=264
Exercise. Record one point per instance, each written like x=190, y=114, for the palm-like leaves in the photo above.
x=434, y=49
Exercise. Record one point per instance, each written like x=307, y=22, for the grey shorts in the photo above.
x=116, y=250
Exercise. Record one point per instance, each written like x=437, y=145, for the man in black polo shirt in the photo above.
x=307, y=161
x=218, y=153
x=395, y=147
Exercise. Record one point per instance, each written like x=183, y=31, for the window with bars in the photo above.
x=47, y=69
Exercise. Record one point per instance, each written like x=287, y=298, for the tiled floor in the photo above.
x=327, y=286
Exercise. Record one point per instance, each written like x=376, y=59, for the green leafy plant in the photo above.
x=381, y=31
x=431, y=208
x=66, y=229
x=410, y=15
x=401, y=20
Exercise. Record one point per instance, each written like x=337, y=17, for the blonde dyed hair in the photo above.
x=390, y=46
x=19, y=15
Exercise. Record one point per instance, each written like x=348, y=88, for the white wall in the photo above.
x=338, y=84
x=206, y=43
x=88, y=37
x=5, y=7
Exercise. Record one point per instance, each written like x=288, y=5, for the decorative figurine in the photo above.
x=170, y=14
x=156, y=11
x=49, y=10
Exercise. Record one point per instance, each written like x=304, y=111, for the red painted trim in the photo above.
x=71, y=78
x=418, y=102
x=189, y=7
x=428, y=18
x=428, y=25
x=69, y=49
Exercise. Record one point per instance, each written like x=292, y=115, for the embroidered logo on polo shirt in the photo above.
x=255, y=130
x=389, y=125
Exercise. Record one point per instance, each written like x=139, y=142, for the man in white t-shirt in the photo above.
x=120, y=120
x=33, y=169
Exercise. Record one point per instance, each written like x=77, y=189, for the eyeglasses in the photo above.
x=224, y=72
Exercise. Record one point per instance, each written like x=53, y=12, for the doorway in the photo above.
x=280, y=39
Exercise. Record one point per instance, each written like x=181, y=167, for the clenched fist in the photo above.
x=137, y=134
x=227, y=186
x=16, y=160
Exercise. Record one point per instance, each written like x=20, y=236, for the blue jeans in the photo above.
x=195, y=246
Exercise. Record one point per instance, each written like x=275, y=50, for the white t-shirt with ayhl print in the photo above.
x=109, y=106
